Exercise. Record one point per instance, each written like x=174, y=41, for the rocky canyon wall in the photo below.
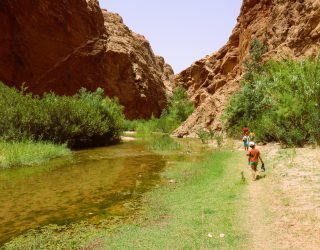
x=64, y=45
x=289, y=28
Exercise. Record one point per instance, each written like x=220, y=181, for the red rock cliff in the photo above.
x=64, y=45
x=288, y=27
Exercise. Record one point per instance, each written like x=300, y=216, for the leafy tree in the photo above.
x=253, y=64
x=281, y=103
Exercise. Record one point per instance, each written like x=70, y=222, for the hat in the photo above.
x=251, y=144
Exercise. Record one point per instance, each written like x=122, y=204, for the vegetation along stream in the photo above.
x=92, y=185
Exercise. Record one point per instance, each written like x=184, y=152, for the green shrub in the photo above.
x=179, y=107
x=145, y=128
x=167, y=122
x=218, y=136
x=208, y=134
x=204, y=135
x=131, y=125
x=83, y=120
x=253, y=64
x=178, y=110
x=281, y=104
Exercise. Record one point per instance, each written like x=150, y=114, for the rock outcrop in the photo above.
x=289, y=28
x=133, y=72
x=64, y=45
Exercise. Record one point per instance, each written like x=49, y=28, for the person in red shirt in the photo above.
x=253, y=159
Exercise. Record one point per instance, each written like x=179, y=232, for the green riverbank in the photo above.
x=197, y=207
x=200, y=201
x=28, y=153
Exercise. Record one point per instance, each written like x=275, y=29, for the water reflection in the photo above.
x=95, y=184
x=86, y=188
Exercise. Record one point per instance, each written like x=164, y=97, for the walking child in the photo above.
x=245, y=140
x=253, y=159
x=252, y=135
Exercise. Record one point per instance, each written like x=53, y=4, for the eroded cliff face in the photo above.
x=133, y=72
x=64, y=45
x=289, y=28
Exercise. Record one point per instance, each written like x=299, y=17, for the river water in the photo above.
x=91, y=185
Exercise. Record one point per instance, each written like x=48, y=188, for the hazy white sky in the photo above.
x=182, y=31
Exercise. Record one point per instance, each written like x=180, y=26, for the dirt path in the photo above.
x=256, y=217
x=283, y=209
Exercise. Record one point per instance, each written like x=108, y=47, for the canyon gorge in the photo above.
x=61, y=46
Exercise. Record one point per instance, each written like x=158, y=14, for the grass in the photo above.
x=164, y=143
x=29, y=153
x=177, y=111
x=202, y=201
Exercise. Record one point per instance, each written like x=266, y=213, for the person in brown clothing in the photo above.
x=253, y=159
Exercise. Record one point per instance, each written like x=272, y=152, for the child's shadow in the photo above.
x=261, y=176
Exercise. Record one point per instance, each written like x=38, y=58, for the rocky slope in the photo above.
x=64, y=45
x=134, y=72
x=290, y=28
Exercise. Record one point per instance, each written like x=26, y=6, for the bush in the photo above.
x=179, y=107
x=83, y=120
x=282, y=103
x=204, y=135
x=145, y=128
x=253, y=64
x=178, y=110
x=208, y=134
x=131, y=125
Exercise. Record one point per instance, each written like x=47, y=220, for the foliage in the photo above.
x=282, y=103
x=254, y=64
x=131, y=125
x=145, y=128
x=29, y=153
x=188, y=215
x=75, y=236
x=178, y=110
x=219, y=139
x=179, y=107
x=164, y=143
x=208, y=134
x=85, y=119
x=204, y=135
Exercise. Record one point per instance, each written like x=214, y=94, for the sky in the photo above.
x=182, y=31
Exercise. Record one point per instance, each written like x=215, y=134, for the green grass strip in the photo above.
x=29, y=153
x=203, y=200
x=197, y=200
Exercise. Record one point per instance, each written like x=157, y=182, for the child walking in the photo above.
x=245, y=140
x=253, y=159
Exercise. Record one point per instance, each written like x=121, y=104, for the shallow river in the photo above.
x=92, y=184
